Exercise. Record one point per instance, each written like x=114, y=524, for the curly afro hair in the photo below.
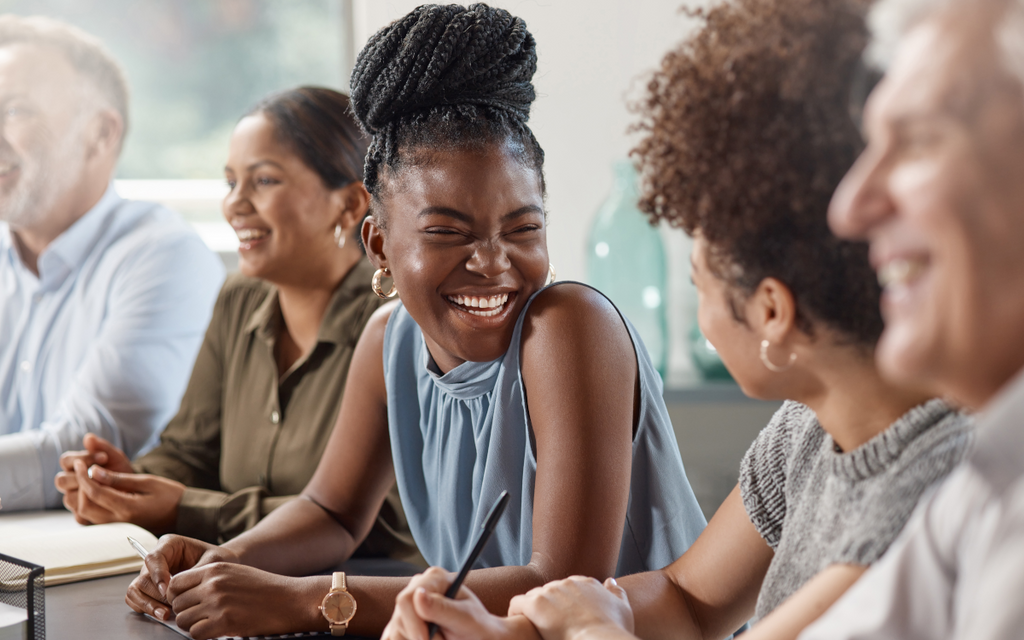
x=445, y=77
x=747, y=131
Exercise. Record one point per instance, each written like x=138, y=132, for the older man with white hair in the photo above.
x=939, y=194
x=103, y=301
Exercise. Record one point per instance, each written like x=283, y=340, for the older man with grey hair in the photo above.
x=939, y=194
x=103, y=301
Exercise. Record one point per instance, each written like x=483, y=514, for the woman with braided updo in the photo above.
x=481, y=380
x=747, y=133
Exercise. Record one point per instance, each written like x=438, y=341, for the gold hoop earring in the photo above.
x=375, y=284
x=551, y=274
x=339, y=236
x=771, y=366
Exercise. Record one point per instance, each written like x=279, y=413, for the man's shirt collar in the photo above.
x=999, y=448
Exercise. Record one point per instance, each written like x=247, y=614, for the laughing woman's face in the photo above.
x=465, y=241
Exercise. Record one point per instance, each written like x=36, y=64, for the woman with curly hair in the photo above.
x=747, y=134
x=481, y=380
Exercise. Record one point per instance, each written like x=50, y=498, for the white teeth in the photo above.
x=484, y=314
x=492, y=304
x=899, y=272
x=250, y=234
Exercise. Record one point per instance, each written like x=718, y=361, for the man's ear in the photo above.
x=104, y=134
x=771, y=311
x=373, y=241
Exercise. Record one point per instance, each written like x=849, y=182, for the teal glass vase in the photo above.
x=705, y=358
x=626, y=261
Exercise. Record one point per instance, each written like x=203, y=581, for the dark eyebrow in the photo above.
x=260, y=163
x=463, y=217
x=444, y=211
x=522, y=211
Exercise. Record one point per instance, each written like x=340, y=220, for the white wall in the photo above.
x=593, y=56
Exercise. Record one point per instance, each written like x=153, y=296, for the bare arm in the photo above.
x=711, y=590
x=299, y=538
x=806, y=605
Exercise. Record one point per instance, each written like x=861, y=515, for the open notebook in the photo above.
x=76, y=553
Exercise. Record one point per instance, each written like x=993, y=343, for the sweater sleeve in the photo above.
x=763, y=473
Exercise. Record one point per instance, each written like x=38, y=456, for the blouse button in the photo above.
x=275, y=417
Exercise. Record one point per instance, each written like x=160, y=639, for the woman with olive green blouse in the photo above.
x=270, y=375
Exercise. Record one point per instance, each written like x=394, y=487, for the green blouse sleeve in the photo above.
x=215, y=516
x=189, y=449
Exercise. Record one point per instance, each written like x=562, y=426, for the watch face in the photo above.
x=338, y=607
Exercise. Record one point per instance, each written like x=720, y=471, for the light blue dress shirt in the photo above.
x=102, y=341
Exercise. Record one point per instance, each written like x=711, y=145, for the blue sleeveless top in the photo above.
x=460, y=439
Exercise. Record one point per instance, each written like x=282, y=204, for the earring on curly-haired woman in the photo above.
x=766, y=361
x=551, y=274
x=375, y=284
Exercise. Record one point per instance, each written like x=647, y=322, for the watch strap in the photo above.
x=338, y=581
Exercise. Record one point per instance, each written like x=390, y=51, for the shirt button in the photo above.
x=275, y=417
x=26, y=366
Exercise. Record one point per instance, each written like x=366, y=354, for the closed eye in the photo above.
x=526, y=228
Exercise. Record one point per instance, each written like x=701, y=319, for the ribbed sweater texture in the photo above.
x=817, y=506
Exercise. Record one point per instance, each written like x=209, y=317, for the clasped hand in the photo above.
x=567, y=609
x=113, y=492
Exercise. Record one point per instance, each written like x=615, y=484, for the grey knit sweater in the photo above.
x=817, y=507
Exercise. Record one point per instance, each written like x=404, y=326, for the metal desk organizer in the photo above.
x=21, y=585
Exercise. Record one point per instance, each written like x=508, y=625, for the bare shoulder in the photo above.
x=573, y=316
x=373, y=333
x=371, y=342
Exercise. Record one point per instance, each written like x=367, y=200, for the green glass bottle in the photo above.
x=626, y=261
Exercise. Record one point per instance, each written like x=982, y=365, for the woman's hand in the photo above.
x=226, y=599
x=148, y=592
x=464, y=617
x=576, y=607
x=106, y=496
x=97, y=452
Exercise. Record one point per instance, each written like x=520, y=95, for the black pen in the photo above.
x=490, y=522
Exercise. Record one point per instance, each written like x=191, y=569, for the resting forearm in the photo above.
x=495, y=587
x=661, y=609
x=297, y=539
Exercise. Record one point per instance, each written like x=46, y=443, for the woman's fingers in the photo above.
x=106, y=454
x=142, y=596
x=405, y=623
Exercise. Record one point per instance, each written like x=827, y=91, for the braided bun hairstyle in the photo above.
x=445, y=77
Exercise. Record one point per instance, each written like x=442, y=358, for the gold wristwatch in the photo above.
x=338, y=606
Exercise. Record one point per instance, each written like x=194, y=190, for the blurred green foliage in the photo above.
x=195, y=66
